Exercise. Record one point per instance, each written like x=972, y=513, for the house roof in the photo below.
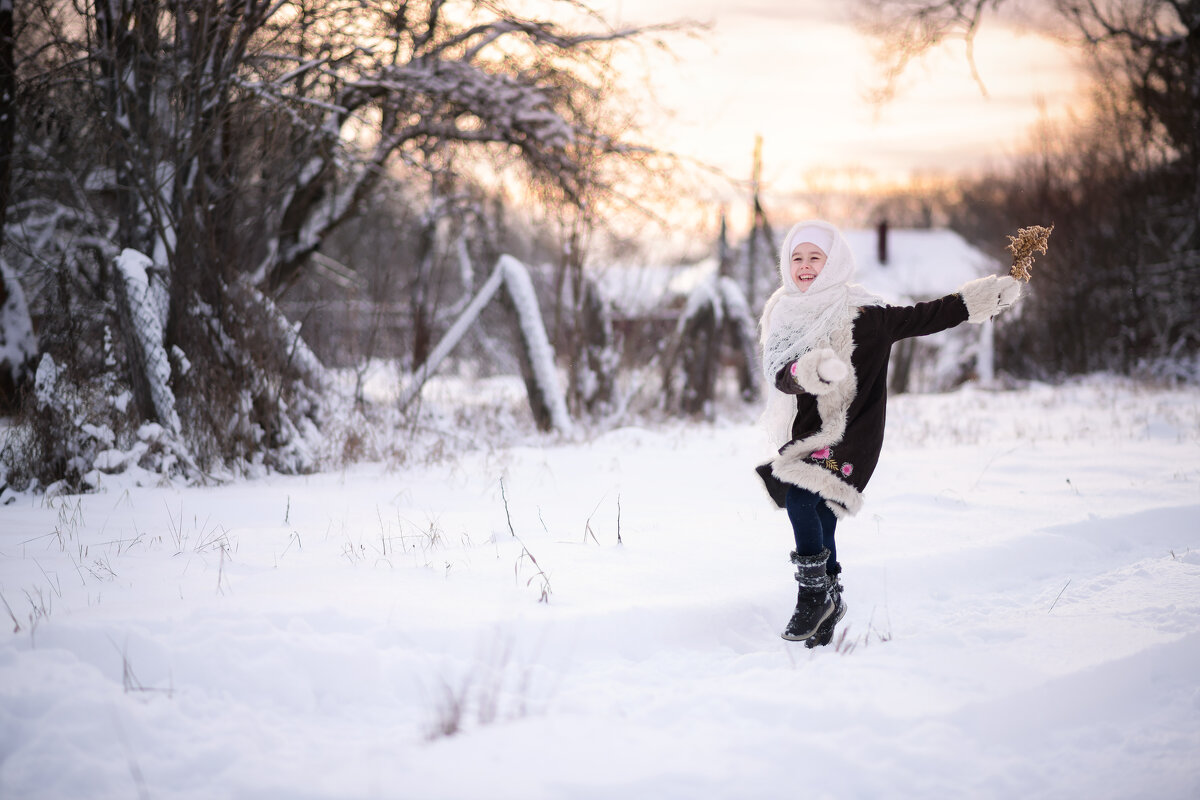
x=640, y=290
x=922, y=264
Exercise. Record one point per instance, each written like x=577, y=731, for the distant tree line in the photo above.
x=1120, y=288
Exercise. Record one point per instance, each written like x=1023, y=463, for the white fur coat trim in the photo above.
x=842, y=498
x=793, y=465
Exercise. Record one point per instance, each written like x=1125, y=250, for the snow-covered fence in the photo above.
x=546, y=398
x=142, y=310
x=142, y=305
x=741, y=330
x=298, y=354
x=716, y=310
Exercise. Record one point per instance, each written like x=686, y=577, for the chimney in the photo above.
x=724, y=256
x=882, y=242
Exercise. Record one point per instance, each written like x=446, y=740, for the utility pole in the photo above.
x=724, y=262
x=755, y=224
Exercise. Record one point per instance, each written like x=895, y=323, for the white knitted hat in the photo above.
x=821, y=237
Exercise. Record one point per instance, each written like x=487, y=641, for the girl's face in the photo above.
x=807, y=262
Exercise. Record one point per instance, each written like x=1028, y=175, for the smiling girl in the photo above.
x=826, y=345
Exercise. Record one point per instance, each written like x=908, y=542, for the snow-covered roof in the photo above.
x=922, y=264
x=638, y=290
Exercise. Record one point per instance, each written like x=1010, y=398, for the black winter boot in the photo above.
x=824, y=634
x=813, y=604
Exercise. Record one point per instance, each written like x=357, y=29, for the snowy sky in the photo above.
x=796, y=72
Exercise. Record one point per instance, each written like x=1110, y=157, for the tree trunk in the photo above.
x=128, y=34
x=422, y=314
x=8, y=111
x=10, y=374
x=18, y=345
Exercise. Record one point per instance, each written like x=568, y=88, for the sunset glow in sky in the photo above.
x=797, y=72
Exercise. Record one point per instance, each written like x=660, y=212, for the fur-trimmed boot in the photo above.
x=813, y=603
x=824, y=634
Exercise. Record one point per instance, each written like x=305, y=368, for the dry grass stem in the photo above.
x=1034, y=239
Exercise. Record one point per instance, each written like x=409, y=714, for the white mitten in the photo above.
x=832, y=369
x=1010, y=291
x=819, y=371
x=988, y=296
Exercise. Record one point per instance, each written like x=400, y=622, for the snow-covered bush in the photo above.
x=246, y=395
x=252, y=394
x=72, y=430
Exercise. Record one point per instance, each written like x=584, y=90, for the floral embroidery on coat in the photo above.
x=824, y=457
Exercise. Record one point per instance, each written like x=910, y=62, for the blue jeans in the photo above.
x=813, y=523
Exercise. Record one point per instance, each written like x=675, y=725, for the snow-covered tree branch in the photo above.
x=227, y=142
x=1121, y=185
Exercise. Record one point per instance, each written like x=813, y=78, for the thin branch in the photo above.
x=1060, y=594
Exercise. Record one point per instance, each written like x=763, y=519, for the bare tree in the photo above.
x=1121, y=285
x=8, y=96
x=228, y=141
x=10, y=373
x=1149, y=47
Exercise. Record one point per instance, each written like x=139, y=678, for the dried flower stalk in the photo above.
x=1034, y=239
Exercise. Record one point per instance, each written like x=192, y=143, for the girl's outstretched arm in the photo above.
x=977, y=302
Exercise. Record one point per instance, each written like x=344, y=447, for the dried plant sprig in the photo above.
x=1034, y=239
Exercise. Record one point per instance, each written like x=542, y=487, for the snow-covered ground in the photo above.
x=1024, y=591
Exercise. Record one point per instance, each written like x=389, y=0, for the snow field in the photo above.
x=1023, y=584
